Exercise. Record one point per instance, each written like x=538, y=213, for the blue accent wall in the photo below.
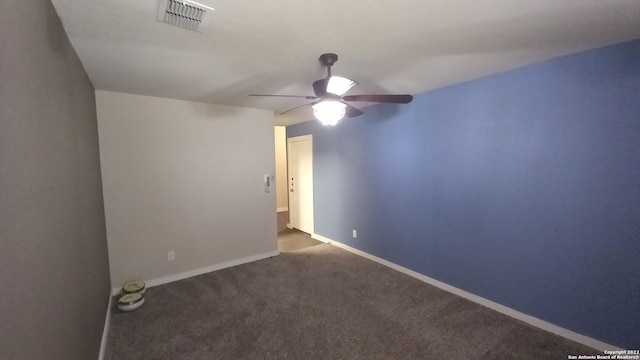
x=521, y=187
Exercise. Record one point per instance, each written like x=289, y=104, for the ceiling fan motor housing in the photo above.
x=323, y=95
x=328, y=59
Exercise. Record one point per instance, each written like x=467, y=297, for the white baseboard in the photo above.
x=282, y=209
x=105, y=331
x=322, y=238
x=203, y=270
x=541, y=324
x=289, y=226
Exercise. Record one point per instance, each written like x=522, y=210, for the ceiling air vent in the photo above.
x=183, y=13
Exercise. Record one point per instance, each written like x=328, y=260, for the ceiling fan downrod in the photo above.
x=339, y=86
x=328, y=60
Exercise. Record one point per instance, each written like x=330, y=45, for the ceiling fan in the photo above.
x=330, y=103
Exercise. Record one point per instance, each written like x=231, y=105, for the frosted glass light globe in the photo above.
x=329, y=112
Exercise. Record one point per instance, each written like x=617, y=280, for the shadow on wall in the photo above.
x=385, y=112
x=55, y=35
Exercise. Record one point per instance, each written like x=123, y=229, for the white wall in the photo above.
x=186, y=177
x=281, y=168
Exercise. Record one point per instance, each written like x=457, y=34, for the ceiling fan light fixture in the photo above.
x=329, y=112
x=330, y=105
x=339, y=85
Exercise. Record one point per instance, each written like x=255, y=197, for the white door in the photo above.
x=300, y=154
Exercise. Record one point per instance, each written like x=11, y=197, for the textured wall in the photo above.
x=521, y=187
x=54, y=271
x=185, y=177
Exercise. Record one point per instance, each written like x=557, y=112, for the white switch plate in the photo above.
x=171, y=255
x=355, y=234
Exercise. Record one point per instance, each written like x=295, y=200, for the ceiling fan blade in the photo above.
x=320, y=87
x=391, y=99
x=308, y=97
x=352, y=111
x=340, y=85
x=298, y=107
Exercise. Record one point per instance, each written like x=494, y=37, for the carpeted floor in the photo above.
x=292, y=240
x=320, y=302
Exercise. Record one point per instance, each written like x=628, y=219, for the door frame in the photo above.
x=292, y=208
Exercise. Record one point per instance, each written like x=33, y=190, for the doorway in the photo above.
x=300, y=182
x=282, y=191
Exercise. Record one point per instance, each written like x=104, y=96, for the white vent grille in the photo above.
x=185, y=14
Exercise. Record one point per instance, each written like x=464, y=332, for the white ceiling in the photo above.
x=388, y=46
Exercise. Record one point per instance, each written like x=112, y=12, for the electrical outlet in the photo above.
x=171, y=255
x=354, y=234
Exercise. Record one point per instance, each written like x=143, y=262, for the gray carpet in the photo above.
x=292, y=240
x=320, y=303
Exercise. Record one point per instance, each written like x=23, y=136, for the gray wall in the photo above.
x=54, y=271
x=185, y=177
